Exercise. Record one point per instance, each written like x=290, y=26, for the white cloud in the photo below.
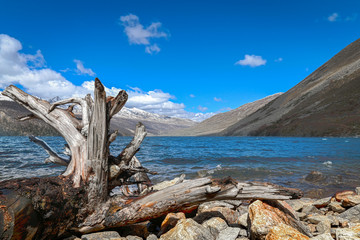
x=81, y=70
x=152, y=49
x=203, y=109
x=217, y=99
x=279, y=59
x=333, y=17
x=252, y=61
x=30, y=72
x=138, y=34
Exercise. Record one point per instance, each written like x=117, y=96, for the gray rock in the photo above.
x=316, y=218
x=235, y=203
x=188, y=229
x=310, y=209
x=215, y=225
x=130, y=237
x=209, y=205
x=352, y=214
x=152, y=237
x=301, y=215
x=100, y=235
x=336, y=207
x=324, y=226
x=243, y=232
x=229, y=233
x=346, y=234
x=243, y=220
x=324, y=236
x=357, y=190
x=298, y=204
x=320, y=203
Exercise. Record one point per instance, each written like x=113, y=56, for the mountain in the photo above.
x=221, y=121
x=125, y=121
x=326, y=103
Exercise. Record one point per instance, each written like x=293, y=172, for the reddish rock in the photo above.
x=262, y=218
x=284, y=232
x=341, y=196
x=170, y=221
x=351, y=201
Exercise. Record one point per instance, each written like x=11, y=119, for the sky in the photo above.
x=188, y=59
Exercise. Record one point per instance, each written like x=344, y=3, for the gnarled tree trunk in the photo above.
x=79, y=199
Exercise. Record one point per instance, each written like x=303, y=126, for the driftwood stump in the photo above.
x=79, y=200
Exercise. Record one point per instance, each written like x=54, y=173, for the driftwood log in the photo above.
x=79, y=200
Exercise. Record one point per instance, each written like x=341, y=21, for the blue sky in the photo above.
x=174, y=57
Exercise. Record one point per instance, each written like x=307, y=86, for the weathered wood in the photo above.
x=53, y=156
x=118, y=103
x=97, y=146
x=119, y=211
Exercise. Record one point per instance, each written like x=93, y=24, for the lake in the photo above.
x=281, y=160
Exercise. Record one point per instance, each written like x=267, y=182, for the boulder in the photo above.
x=324, y=236
x=340, y=196
x=101, y=235
x=152, y=237
x=346, y=234
x=188, y=229
x=284, y=232
x=231, y=216
x=336, y=207
x=215, y=225
x=170, y=221
x=351, y=201
x=323, y=202
x=298, y=204
x=316, y=218
x=352, y=214
x=204, y=207
x=262, y=218
x=315, y=177
x=229, y=233
x=131, y=237
x=243, y=220
x=310, y=209
x=324, y=226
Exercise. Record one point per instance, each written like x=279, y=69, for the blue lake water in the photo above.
x=284, y=161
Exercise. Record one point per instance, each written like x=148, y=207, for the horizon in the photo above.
x=173, y=58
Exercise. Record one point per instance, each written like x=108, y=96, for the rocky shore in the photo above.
x=336, y=217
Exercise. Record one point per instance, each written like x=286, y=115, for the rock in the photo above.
x=262, y=218
x=229, y=233
x=170, y=221
x=204, y=207
x=188, y=229
x=301, y=215
x=242, y=238
x=324, y=236
x=322, y=202
x=351, y=201
x=324, y=226
x=137, y=229
x=340, y=196
x=235, y=203
x=243, y=232
x=317, y=218
x=152, y=237
x=336, y=207
x=298, y=204
x=284, y=232
x=352, y=214
x=315, y=177
x=130, y=237
x=100, y=235
x=215, y=225
x=357, y=190
x=346, y=234
x=310, y=209
x=232, y=217
x=243, y=220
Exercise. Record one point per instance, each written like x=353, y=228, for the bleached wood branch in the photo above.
x=175, y=198
x=53, y=156
x=118, y=102
x=26, y=118
x=85, y=110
